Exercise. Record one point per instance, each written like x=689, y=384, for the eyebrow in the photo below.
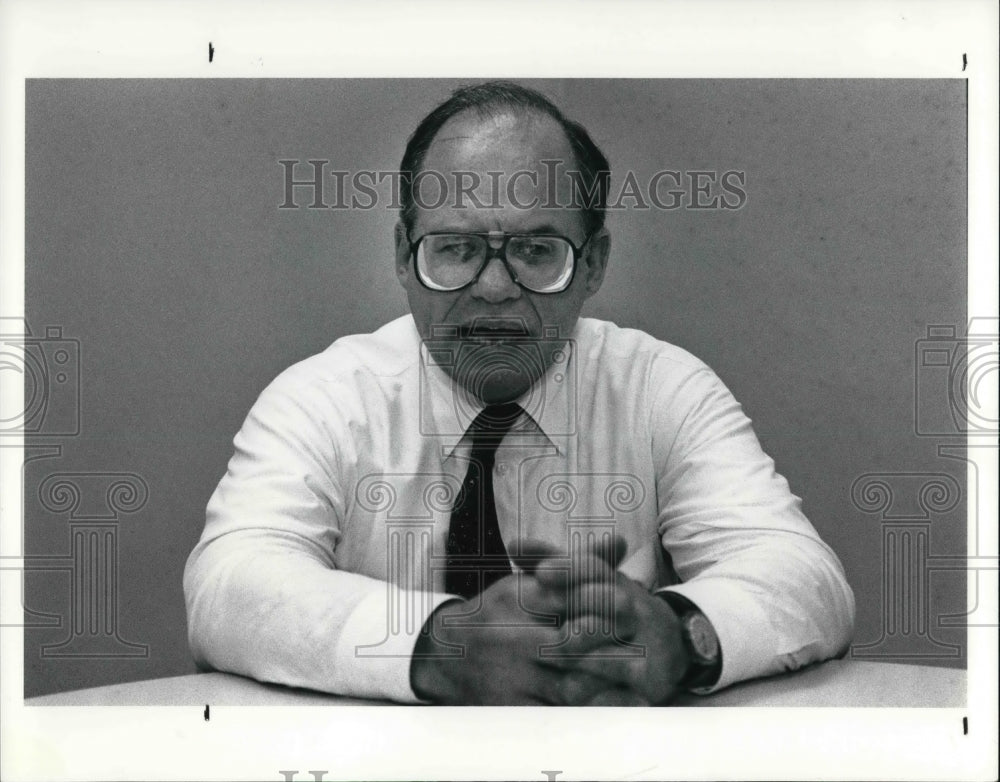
x=546, y=228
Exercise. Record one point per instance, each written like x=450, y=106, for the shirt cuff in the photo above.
x=377, y=640
x=731, y=610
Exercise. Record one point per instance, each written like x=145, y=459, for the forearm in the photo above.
x=775, y=607
x=262, y=608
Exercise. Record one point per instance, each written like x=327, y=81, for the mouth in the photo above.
x=494, y=330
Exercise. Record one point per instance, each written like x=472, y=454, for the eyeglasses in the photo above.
x=538, y=263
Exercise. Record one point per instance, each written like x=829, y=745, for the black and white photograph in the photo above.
x=340, y=397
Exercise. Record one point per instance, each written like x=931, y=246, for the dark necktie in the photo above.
x=476, y=556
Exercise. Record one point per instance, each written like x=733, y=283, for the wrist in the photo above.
x=700, y=642
x=428, y=678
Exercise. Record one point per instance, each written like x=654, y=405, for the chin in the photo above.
x=497, y=373
x=498, y=393
x=494, y=384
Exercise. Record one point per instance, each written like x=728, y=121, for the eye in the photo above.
x=457, y=248
x=537, y=249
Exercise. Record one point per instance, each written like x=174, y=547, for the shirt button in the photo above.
x=502, y=468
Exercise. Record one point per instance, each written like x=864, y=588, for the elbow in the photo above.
x=197, y=602
x=846, y=618
x=833, y=605
x=829, y=603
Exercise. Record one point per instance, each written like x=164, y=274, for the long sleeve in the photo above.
x=747, y=556
x=265, y=596
x=301, y=576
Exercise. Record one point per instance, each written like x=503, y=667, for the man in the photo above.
x=493, y=500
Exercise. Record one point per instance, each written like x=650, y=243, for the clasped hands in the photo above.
x=585, y=635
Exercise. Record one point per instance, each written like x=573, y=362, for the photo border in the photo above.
x=625, y=39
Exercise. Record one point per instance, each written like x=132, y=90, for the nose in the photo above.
x=495, y=285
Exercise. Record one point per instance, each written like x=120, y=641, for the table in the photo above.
x=845, y=683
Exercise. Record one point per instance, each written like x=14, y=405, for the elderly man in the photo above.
x=492, y=500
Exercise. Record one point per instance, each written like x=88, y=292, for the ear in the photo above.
x=595, y=260
x=402, y=253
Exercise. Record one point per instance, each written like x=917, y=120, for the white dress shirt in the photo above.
x=323, y=550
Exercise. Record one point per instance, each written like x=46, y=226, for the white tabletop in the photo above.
x=845, y=683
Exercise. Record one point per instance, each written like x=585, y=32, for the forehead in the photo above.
x=498, y=142
x=494, y=148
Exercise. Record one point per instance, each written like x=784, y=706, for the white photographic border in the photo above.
x=624, y=39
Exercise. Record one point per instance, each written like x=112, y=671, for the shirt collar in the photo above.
x=550, y=405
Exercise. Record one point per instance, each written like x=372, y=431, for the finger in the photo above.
x=543, y=560
x=530, y=553
x=598, y=561
x=576, y=688
x=612, y=669
x=604, y=627
x=558, y=687
x=616, y=661
x=540, y=602
x=539, y=599
x=558, y=573
x=611, y=549
x=591, y=567
x=599, y=646
x=608, y=608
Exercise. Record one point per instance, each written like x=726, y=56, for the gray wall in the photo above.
x=155, y=241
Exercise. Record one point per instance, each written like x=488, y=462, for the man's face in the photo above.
x=501, y=337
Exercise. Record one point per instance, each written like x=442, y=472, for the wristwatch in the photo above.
x=700, y=642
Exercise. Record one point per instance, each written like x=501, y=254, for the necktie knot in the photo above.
x=493, y=423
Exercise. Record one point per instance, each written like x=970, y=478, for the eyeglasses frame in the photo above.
x=501, y=253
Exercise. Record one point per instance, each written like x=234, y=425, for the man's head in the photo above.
x=486, y=176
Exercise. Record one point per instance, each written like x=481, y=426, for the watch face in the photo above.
x=704, y=641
